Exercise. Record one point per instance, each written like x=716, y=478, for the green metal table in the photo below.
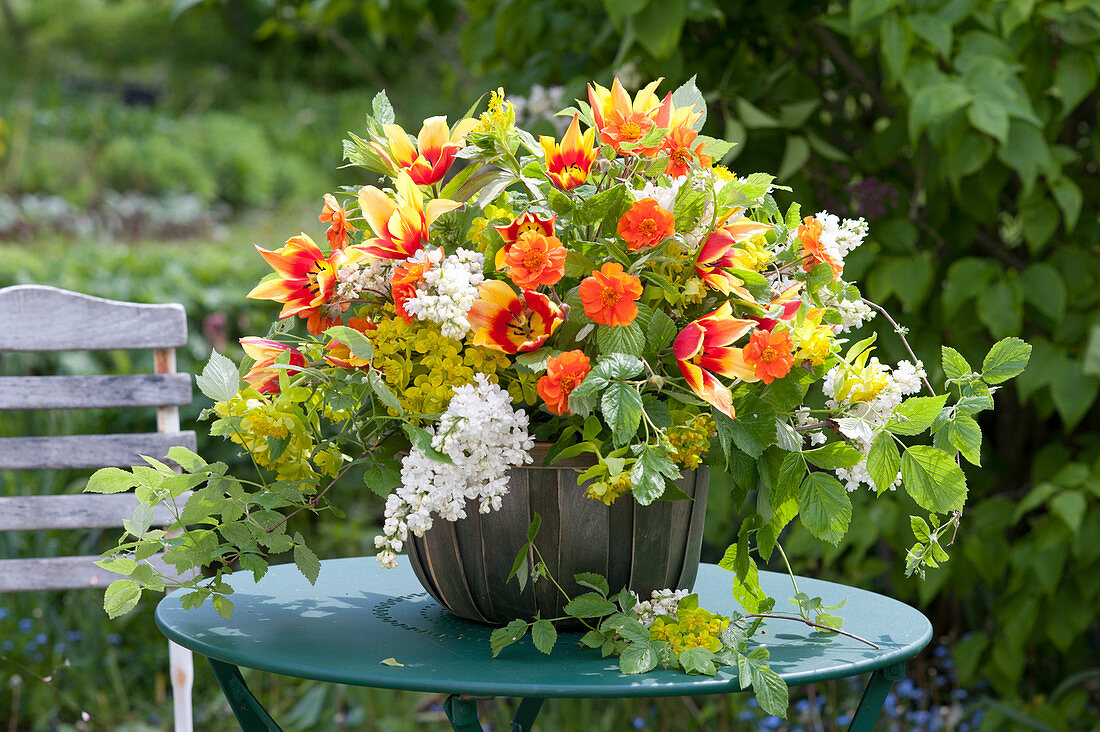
x=358, y=615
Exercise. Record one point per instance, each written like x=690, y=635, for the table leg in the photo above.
x=525, y=716
x=249, y=712
x=874, y=696
x=462, y=712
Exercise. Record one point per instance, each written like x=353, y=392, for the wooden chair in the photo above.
x=37, y=318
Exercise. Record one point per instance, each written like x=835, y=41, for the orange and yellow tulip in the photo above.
x=435, y=149
x=339, y=228
x=505, y=322
x=263, y=376
x=719, y=253
x=569, y=163
x=306, y=281
x=702, y=349
x=400, y=224
x=620, y=120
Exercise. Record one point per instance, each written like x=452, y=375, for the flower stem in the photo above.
x=812, y=624
x=901, y=334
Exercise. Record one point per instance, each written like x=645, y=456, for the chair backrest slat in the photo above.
x=36, y=513
x=94, y=392
x=88, y=451
x=60, y=573
x=39, y=318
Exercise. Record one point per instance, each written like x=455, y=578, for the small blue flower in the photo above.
x=114, y=639
x=843, y=720
x=753, y=702
x=771, y=721
x=74, y=635
x=940, y=651
x=41, y=638
x=746, y=715
x=959, y=694
x=59, y=648
x=26, y=625
x=638, y=723
x=30, y=648
x=3, y=613
x=8, y=645
x=964, y=727
x=802, y=706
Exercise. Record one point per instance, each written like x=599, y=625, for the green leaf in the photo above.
x=934, y=102
x=501, y=638
x=1090, y=363
x=795, y=155
x=119, y=565
x=988, y=116
x=589, y=605
x=382, y=109
x=255, y=564
x=920, y=528
x=617, y=366
x=659, y=26
x=592, y=639
x=787, y=437
x=1045, y=288
x=698, y=660
x=754, y=427
x=421, y=439
x=1007, y=359
x=223, y=606
x=1000, y=308
x=648, y=475
x=111, y=480
x=770, y=690
x=883, y=462
x=219, y=379
x=627, y=339
x=593, y=580
x=544, y=635
x=307, y=562
x=862, y=11
x=382, y=391
x=936, y=31
x=660, y=333
x=824, y=507
x=186, y=459
x=359, y=345
x=834, y=455
x=382, y=479
x=638, y=658
x=954, y=365
x=965, y=435
x=688, y=95
x=121, y=597
x=916, y=414
x=933, y=479
x=622, y=407
x=1071, y=507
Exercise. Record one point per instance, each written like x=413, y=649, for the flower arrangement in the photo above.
x=616, y=292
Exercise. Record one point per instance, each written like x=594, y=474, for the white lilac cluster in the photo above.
x=840, y=236
x=661, y=602
x=447, y=290
x=363, y=277
x=884, y=390
x=484, y=437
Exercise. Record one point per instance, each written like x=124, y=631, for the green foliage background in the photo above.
x=965, y=131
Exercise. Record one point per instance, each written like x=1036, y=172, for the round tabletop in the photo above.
x=359, y=615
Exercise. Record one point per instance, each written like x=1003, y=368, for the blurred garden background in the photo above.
x=146, y=144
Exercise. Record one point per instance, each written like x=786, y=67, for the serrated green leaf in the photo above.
x=649, y=473
x=421, y=439
x=965, y=435
x=219, y=379
x=501, y=638
x=544, y=635
x=255, y=564
x=589, y=605
x=223, y=606
x=594, y=581
x=383, y=392
x=621, y=405
x=592, y=639
x=1007, y=359
x=121, y=597
x=359, y=345
x=661, y=332
x=920, y=528
x=824, y=507
x=915, y=415
x=111, y=480
x=698, y=660
x=933, y=479
x=628, y=339
x=883, y=462
x=770, y=690
x=308, y=563
x=382, y=479
x=834, y=455
x=638, y=658
x=954, y=365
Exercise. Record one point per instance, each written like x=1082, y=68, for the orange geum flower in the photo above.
x=809, y=233
x=520, y=225
x=678, y=145
x=564, y=373
x=264, y=376
x=339, y=354
x=569, y=163
x=719, y=253
x=305, y=283
x=339, y=228
x=770, y=354
x=434, y=153
x=505, y=322
x=702, y=349
x=400, y=224
x=610, y=295
x=622, y=121
x=535, y=259
x=646, y=224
